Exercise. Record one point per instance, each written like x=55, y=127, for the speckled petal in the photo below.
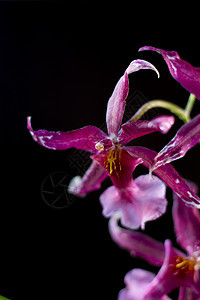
x=187, y=228
x=133, y=130
x=116, y=103
x=187, y=137
x=167, y=173
x=187, y=75
x=90, y=181
x=84, y=138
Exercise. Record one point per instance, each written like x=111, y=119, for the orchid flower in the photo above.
x=187, y=75
x=140, y=200
x=178, y=269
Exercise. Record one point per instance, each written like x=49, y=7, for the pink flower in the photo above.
x=178, y=269
x=140, y=200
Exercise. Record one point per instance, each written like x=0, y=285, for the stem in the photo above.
x=182, y=114
x=3, y=298
x=190, y=104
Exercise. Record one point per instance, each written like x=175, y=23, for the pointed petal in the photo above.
x=138, y=244
x=187, y=75
x=84, y=138
x=167, y=173
x=116, y=103
x=89, y=182
x=188, y=228
x=186, y=137
x=140, y=64
x=140, y=203
x=132, y=130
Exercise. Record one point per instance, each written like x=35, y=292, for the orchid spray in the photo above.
x=133, y=202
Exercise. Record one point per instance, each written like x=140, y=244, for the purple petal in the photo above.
x=186, y=293
x=136, y=243
x=187, y=75
x=187, y=137
x=84, y=138
x=142, y=202
x=132, y=130
x=169, y=277
x=137, y=282
x=188, y=228
x=116, y=103
x=89, y=182
x=167, y=173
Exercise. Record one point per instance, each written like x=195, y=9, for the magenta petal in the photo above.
x=116, y=103
x=187, y=137
x=167, y=173
x=167, y=278
x=89, y=182
x=142, y=202
x=187, y=228
x=139, y=64
x=84, y=138
x=137, y=282
x=136, y=243
x=187, y=75
x=132, y=130
x=186, y=293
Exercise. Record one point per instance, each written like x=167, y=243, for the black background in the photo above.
x=59, y=63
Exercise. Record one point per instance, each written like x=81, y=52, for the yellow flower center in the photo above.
x=184, y=264
x=113, y=161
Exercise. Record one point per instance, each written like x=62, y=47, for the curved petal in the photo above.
x=84, y=138
x=187, y=75
x=186, y=137
x=188, y=228
x=137, y=281
x=169, y=277
x=167, y=173
x=89, y=182
x=116, y=103
x=138, y=244
x=140, y=203
x=132, y=130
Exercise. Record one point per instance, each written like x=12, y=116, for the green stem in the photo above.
x=175, y=109
x=190, y=104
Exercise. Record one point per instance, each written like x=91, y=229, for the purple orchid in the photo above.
x=178, y=269
x=140, y=200
x=187, y=75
